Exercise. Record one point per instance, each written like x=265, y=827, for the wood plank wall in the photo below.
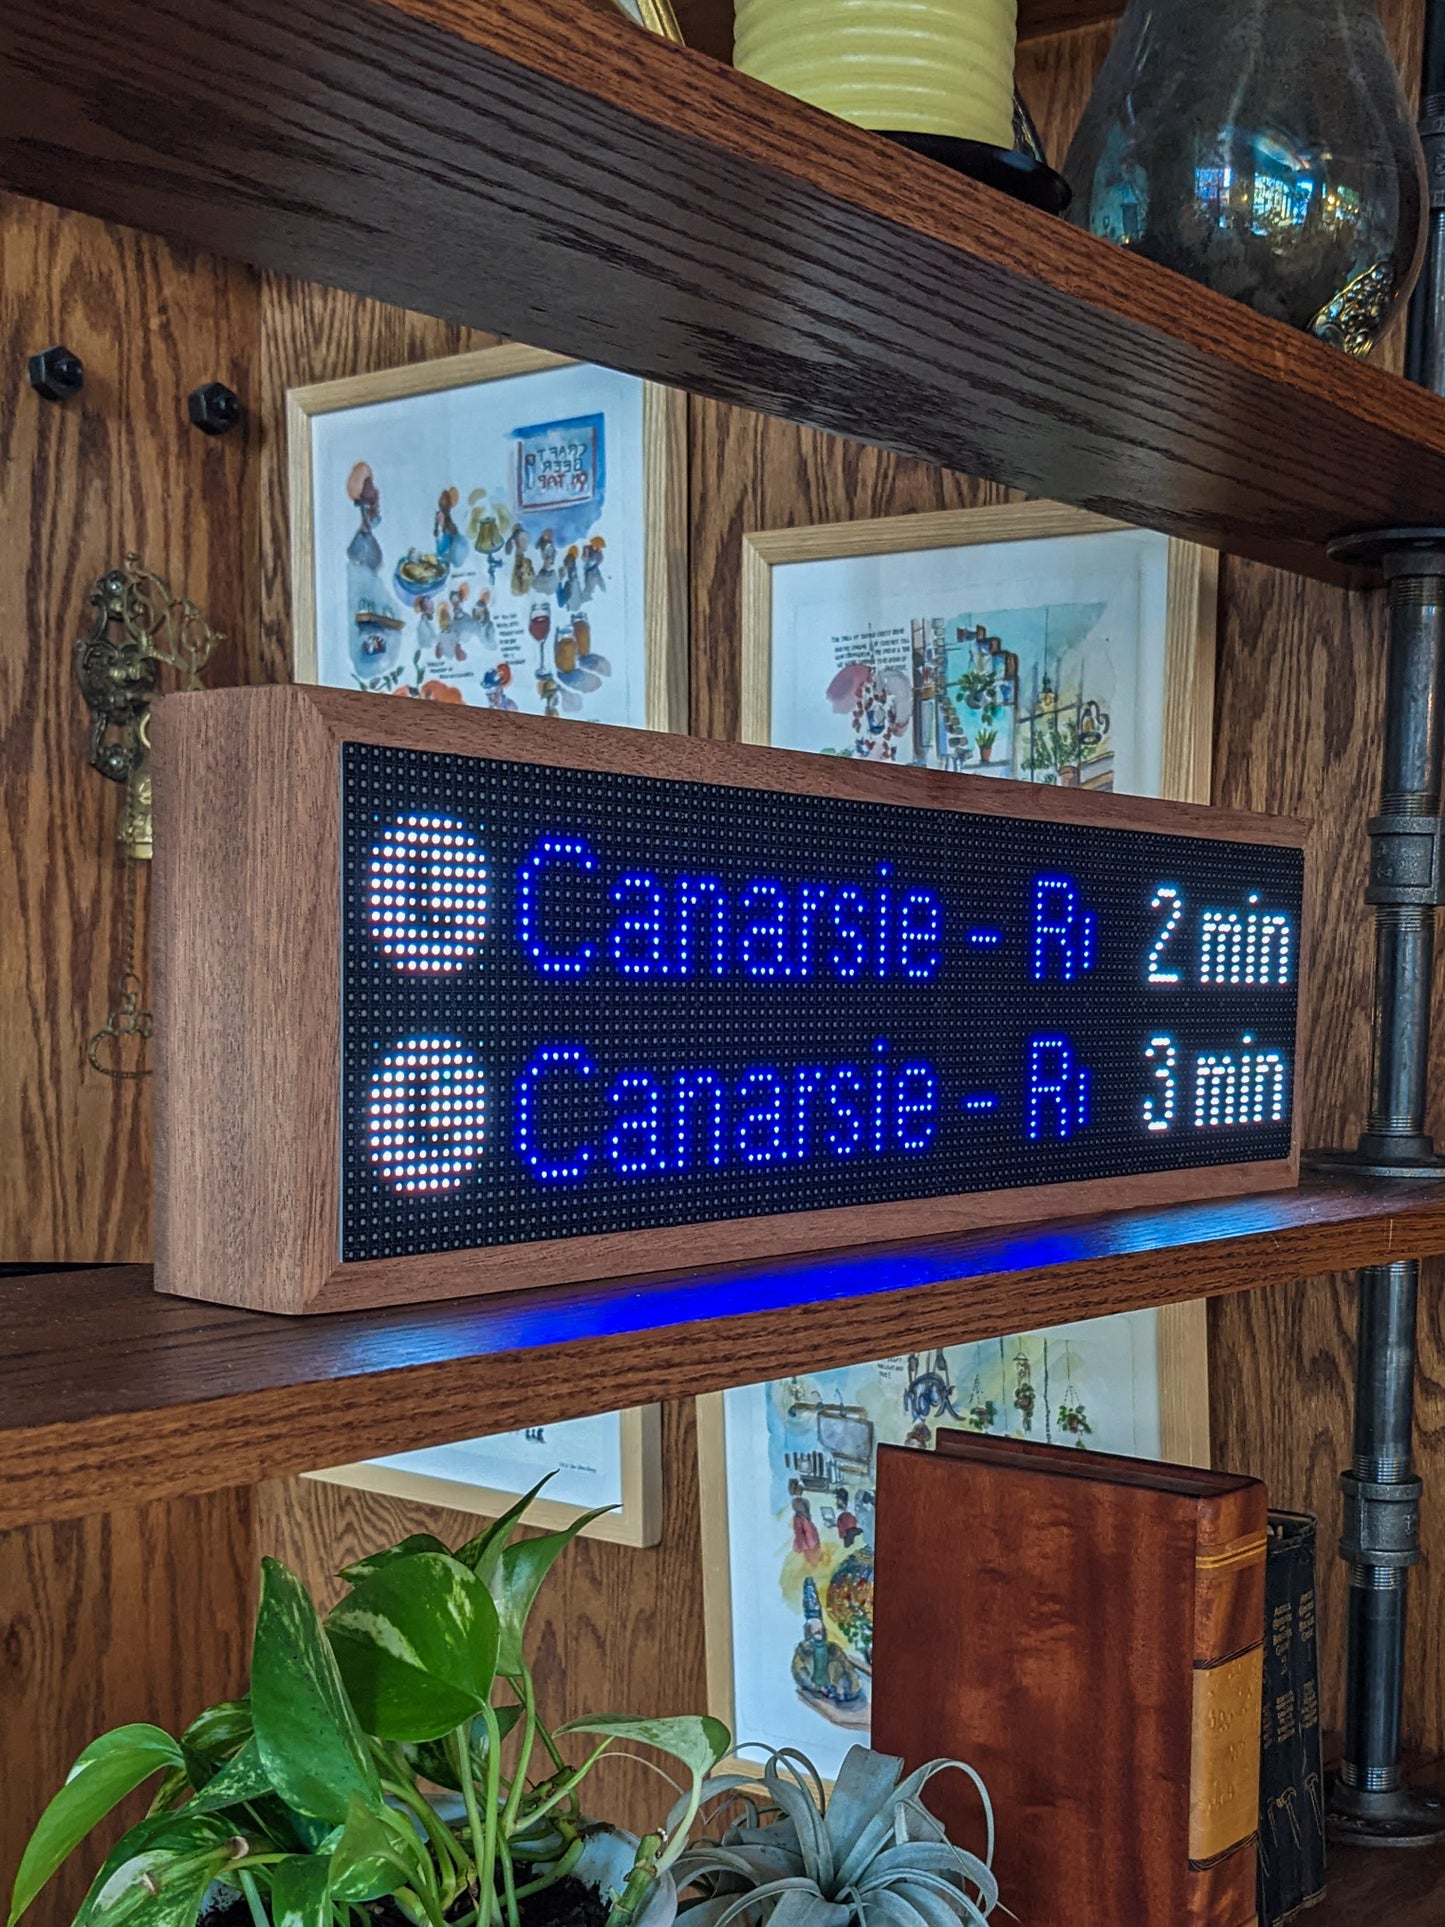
x=141, y=1613
x=1297, y=728
x=117, y=467
x=145, y=1612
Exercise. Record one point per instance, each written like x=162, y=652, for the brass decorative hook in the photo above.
x=139, y=628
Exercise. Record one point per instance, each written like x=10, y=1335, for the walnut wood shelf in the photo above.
x=649, y=207
x=111, y=1393
x=1375, y=1887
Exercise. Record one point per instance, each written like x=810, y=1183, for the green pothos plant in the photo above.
x=315, y=1796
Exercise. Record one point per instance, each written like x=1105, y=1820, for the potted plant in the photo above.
x=978, y=689
x=985, y=737
x=869, y=1852
x=387, y=1766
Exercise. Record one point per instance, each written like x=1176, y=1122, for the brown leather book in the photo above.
x=1087, y=1632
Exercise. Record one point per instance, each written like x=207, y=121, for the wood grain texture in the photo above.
x=110, y=1389
x=616, y=1629
x=1300, y=703
x=141, y=1614
x=245, y=962
x=707, y=243
x=248, y=978
x=1097, y=1592
x=1363, y=1885
x=81, y=482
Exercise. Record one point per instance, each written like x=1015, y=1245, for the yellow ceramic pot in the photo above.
x=909, y=66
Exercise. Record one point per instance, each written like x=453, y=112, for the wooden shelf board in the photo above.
x=1381, y=1887
x=648, y=207
x=111, y=1393
x=1038, y=18
x=1384, y=1886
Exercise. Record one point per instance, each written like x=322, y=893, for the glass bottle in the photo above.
x=1265, y=148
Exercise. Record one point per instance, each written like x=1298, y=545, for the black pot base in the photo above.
x=1001, y=167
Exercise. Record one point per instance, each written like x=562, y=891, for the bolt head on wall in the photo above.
x=56, y=373
x=214, y=408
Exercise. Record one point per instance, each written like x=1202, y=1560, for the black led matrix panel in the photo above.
x=581, y=1001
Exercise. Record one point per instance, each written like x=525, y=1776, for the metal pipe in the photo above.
x=1401, y=835
x=1381, y=1528
x=1380, y=1540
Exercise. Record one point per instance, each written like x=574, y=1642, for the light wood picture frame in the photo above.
x=1190, y=617
x=637, y=1521
x=657, y=697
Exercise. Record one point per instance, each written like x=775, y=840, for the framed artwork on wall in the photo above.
x=506, y=529
x=1034, y=642
x=614, y=1459
x=786, y=1475
x=1030, y=641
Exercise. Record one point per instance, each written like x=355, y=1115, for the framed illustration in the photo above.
x=1031, y=641
x=506, y=529
x=614, y=1459
x=786, y=1474
x=1035, y=642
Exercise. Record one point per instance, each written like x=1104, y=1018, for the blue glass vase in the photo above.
x=1265, y=148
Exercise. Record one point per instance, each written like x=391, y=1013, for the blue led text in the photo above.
x=1063, y=930
x=550, y=853
x=696, y=927
x=1056, y=1092
x=649, y=1125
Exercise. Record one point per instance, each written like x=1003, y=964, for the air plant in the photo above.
x=869, y=1853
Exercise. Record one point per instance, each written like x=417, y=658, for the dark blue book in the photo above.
x=1291, y=1777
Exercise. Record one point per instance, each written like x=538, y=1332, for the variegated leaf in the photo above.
x=417, y=1646
x=311, y=1746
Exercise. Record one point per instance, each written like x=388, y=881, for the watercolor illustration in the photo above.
x=801, y=1457
x=1005, y=692
x=1039, y=660
x=473, y=546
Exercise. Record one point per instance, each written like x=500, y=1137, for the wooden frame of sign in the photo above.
x=247, y=924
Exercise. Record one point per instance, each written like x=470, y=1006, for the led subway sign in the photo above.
x=454, y=1001
x=579, y=1002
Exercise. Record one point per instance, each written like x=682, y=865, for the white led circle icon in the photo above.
x=426, y=894
x=426, y=1115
